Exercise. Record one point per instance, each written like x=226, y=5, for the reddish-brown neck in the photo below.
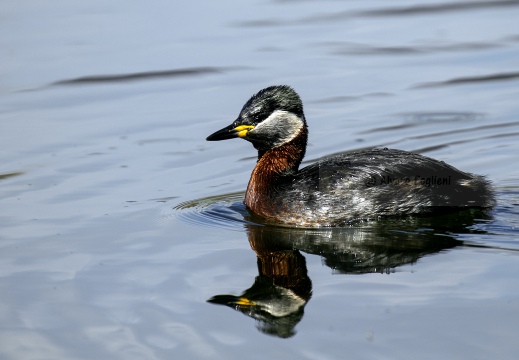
x=274, y=166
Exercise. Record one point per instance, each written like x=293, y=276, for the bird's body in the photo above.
x=339, y=189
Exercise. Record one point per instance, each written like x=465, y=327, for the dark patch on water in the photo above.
x=470, y=80
x=404, y=11
x=9, y=175
x=160, y=74
x=363, y=49
x=345, y=98
x=438, y=8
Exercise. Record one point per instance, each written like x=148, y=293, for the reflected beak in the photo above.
x=245, y=302
x=231, y=300
x=230, y=132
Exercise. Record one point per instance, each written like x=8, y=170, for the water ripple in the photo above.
x=438, y=8
x=470, y=80
x=364, y=49
x=402, y=11
x=110, y=78
x=11, y=174
x=222, y=211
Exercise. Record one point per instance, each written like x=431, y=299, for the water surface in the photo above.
x=119, y=222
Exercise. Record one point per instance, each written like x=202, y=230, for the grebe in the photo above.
x=338, y=190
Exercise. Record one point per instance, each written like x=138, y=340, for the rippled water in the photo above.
x=122, y=230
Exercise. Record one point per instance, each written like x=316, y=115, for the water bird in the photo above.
x=342, y=189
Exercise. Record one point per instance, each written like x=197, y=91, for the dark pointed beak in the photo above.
x=226, y=133
x=230, y=132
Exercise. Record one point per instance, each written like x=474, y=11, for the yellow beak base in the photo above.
x=242, y=130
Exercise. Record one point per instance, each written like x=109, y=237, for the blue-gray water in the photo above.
x=118, y=221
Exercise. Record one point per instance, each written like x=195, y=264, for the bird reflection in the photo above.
x=281, y=290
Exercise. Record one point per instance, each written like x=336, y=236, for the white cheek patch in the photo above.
x=281, y=127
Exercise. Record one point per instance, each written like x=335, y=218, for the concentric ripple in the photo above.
x=223, y=211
